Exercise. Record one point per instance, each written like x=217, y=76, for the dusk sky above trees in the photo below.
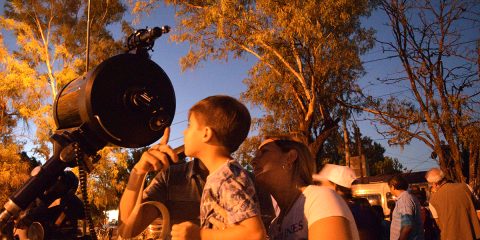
x=217, y=77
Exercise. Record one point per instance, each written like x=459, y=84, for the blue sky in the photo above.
x=215, y=77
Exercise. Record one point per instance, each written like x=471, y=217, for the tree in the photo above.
x=50, y=52
x=377, y=162
x=14, y=106
x=374, y=152
x=246, y=151
x=433, y=41
x=51, y=40
x=334, y=153
x=387, y=166
x=105, y=184
x=14, y=171
x=301, y=47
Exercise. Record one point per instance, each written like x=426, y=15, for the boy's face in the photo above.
x=193, y=136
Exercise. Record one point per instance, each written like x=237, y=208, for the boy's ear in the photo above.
x=207, y=134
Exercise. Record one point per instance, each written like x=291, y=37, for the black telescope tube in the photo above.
x=37, y=184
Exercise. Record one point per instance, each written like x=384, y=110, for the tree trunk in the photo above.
x=474, y=165
x=358, y=140
x=317, y=145
x=346, y=139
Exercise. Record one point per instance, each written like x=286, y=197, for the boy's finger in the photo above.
x=169, y=151
x=166, y=150
x=166, y=136
x=160, y=158
x=154, y=163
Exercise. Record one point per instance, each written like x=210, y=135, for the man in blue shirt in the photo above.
x=406, y=219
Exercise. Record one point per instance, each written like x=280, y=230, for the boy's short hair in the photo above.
x=227, y=117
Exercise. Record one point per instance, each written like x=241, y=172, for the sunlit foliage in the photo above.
x=50, y=51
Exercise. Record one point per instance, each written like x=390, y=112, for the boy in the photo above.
x=217, y=126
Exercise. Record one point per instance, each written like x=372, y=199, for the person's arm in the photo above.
x=248, y=229
x=433, y=211
x=154, y=159
x=405, y=232
x=330, y=228
x=131, y=225
x=406, y=221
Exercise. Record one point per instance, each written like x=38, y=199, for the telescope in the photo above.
x=126, y=101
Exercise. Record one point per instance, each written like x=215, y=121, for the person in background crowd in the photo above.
x=430, y=228
x=391, y=206
x=340, y=179
x=406, y=216
x=385, y=223
x=452, y=207
x=284, y=168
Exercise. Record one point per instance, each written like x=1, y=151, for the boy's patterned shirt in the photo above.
x=232, y=189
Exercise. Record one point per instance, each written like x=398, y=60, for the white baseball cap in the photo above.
x=340, y=175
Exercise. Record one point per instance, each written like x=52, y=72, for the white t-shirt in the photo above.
x=314, y=203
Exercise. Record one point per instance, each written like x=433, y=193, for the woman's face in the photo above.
x=267, y=163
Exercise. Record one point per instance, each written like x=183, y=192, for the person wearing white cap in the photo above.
x=335, y=174
x=340, y=179
x=284, y=168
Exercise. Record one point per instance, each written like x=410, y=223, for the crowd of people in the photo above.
x=213, y=197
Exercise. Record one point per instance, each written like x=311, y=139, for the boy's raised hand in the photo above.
x=157, y=157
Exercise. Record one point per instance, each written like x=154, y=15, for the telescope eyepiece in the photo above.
x=143, y=100
x=145, y=38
